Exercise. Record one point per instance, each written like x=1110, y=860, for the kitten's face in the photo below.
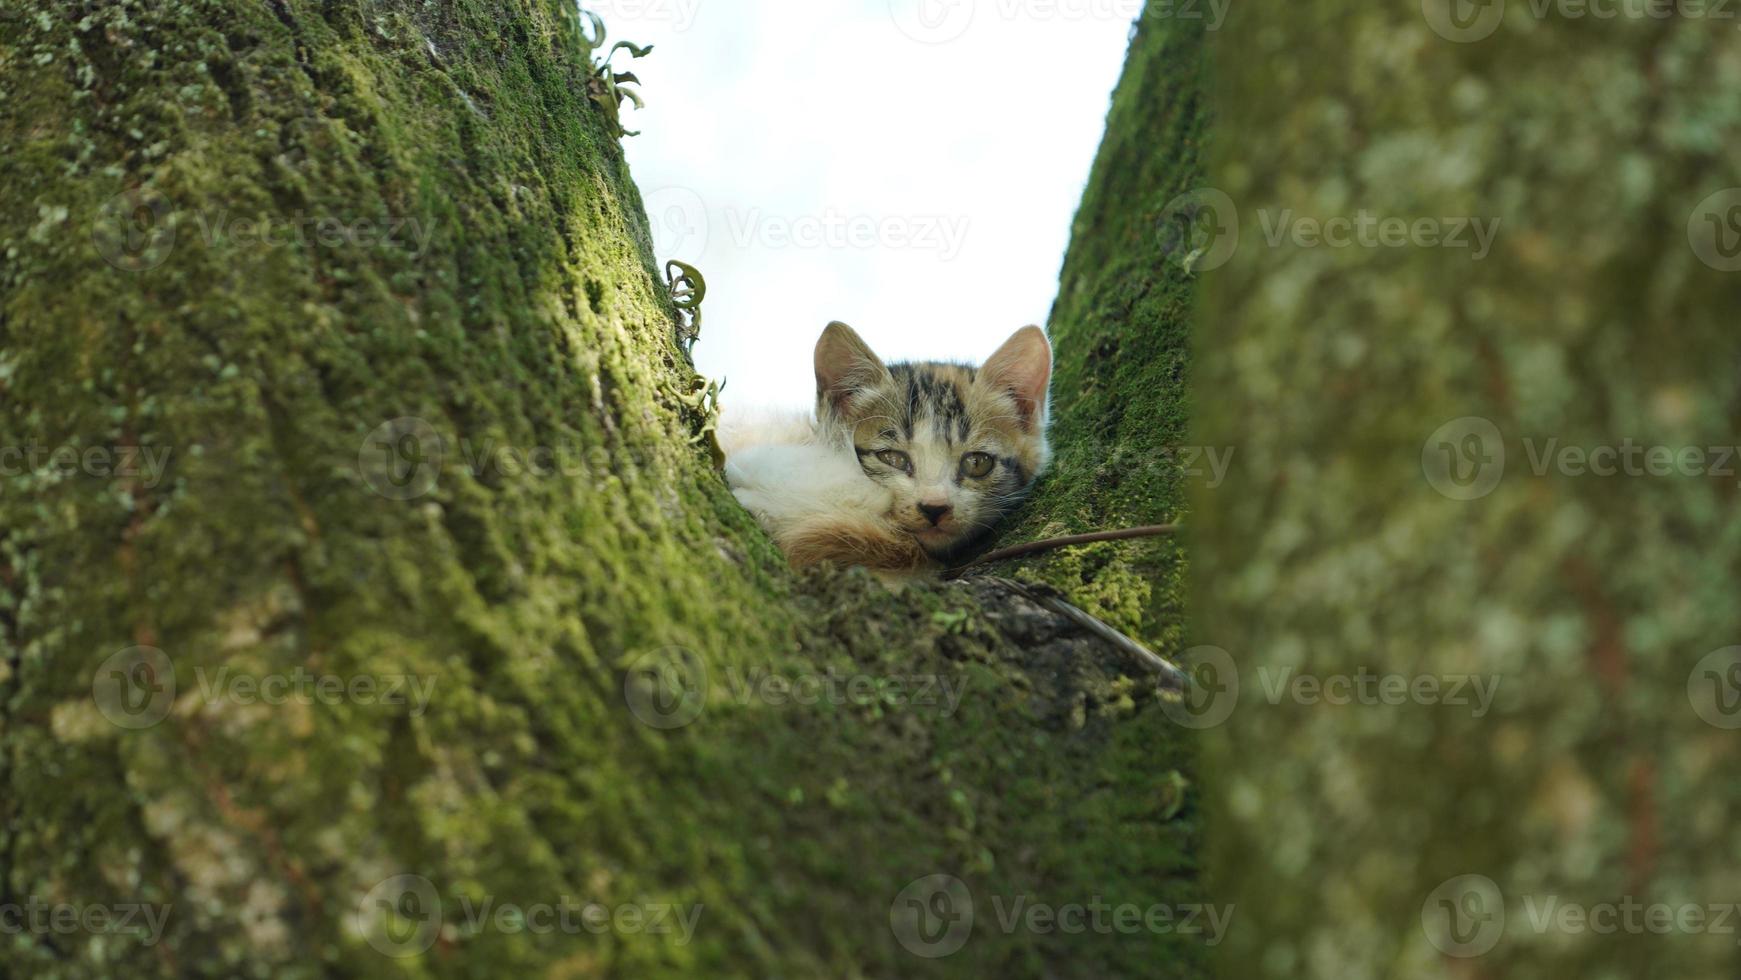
x=955, y=446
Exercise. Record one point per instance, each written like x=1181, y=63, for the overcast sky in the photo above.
x=908, y=166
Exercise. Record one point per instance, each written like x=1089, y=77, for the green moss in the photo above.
x=1121, y=329
x=518, y=308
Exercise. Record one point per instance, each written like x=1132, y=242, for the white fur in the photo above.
x=742, y=428
x=787, y=474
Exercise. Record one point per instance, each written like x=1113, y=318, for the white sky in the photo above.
x=908, y=166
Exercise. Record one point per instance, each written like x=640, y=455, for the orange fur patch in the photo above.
x=853, y=541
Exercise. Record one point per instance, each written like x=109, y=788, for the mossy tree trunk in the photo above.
x=1402, y=506
x=334, y=354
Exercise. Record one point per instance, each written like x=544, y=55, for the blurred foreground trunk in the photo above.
x=1473, y=580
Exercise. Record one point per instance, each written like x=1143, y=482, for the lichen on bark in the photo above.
x=185, y=189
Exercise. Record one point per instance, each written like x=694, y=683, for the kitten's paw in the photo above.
x=736, y=475
x=754, y=501
x=756, y=466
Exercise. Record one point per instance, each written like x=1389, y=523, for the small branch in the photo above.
x=1171, y=675
x=1052, y=544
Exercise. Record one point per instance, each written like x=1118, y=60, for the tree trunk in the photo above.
x=369, y=604
x=1402, y=509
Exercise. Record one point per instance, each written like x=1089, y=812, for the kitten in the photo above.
x=905, y=466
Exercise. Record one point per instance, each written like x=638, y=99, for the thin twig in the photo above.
x=1171, y=675
x=1052, y=544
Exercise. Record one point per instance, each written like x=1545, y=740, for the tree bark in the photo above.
x=334, y=351
x=1402, y=509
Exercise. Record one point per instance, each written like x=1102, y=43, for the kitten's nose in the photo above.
x=935, y=512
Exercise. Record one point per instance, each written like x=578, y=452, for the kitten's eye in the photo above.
x=977, y=465
x=896, y=459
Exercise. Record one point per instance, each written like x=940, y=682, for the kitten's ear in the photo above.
x=845, y=365
x=1023, y=368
